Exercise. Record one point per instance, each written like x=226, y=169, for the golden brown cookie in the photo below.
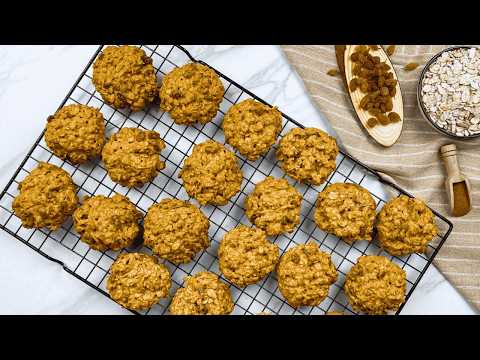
x=191, y=93
x=308, y=155
x=132, y=156
x=405, y=225
x=124, y=76
x=246, y=256
x=176, y=230
x=211, y=173
x=137, y=281
x=76, y=133
x=305, y=274
x=274, y=206
x=107, y=223
x=47, y=197
x=375, y=285
x=252, y=127
x=346, y=210
x=202, y=294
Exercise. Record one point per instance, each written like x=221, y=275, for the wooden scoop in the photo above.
x=385, y=135
x=457, y=184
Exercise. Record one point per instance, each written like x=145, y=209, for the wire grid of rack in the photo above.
x=91, y=267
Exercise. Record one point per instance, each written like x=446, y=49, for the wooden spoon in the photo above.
x=385, y=135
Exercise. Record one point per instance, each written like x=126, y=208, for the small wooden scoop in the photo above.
x=457, y=185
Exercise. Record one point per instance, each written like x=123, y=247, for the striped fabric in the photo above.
x=413, y=162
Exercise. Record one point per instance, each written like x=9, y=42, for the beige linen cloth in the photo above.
x=413, y=161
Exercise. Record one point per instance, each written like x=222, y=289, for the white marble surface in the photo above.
x=35, y=79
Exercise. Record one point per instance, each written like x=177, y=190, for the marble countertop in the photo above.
x=34, y=81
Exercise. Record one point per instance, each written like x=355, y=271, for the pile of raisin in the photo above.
x=374, y=78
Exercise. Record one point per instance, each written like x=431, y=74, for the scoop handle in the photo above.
x=449, y=156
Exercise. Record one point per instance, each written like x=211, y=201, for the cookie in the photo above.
x=211, y=174
x=137, y=281
x=132, y=156
x=308, y=155
x=176, y=230
x=346, y=210
x=191, y=93
x=375, y=285
x=202, y=294
x=76, y=133
x=252, y=127
x=107, y=223
x=124, y=76
x=405, y=225
x=246, y=256
x=274, y=206
x=305, y=275
x=47, y=197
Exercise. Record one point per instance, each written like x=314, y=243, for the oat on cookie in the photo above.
x=346, y=210
x=405, y=225
x=375, y=285
x=137, y=281
x=202, y=294
x=211, y=173
x=308, y=155
x=132, y=156
x=274, y=206
x=176, y=230
x=124, y=76
x=47, y=197
x=252, y=127
x=191, y=93
x=305, y=274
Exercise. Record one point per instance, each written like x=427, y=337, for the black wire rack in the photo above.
x=92, y=267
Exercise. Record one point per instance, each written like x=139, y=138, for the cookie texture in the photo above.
x=132, y=156
x=308, y=155
x=107, y=223
x=137, y=281
x=346, y=210
x=305, y=275
x=211, y=174
x=252, y=127
x=47, y=197
x=405, y=225
x=375, y=285
x=202, y=294
x=274, y=206
x=176, y=230
x=191, y=93
x=124, y=76
x=246, y=256
x=76, y=133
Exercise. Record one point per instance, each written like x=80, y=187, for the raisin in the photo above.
x=354, y=57
x=390, y=50
x=393, y=91
x=364, y=87
x=332, y=72
x=353, y=84
x=371, y=122
x=361, y=49
x=411, y=66
x=394, y=117
x=373, y=111
x=364, y=102
x=384, y=91
x=389, y=105
x=383, y=119
x=373, y=47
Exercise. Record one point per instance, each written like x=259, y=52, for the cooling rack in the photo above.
x=91, y=267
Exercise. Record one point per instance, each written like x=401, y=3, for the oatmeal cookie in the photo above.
x=246, y=256
x=76, y=133
x=202, y=294
x=375, y=285
x=107, y=223
x=252, y=127
x=211, y=173
x=305, y=274
x=308, y=155
x=405, y=225
x=176, y=230
x=132, y=156
x=191, y=93
x=47, y=197
x=274, y=206
x=137, y=281
x=124, y=76
x=346, y=210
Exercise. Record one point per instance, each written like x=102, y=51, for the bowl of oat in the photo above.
x=448, y=92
